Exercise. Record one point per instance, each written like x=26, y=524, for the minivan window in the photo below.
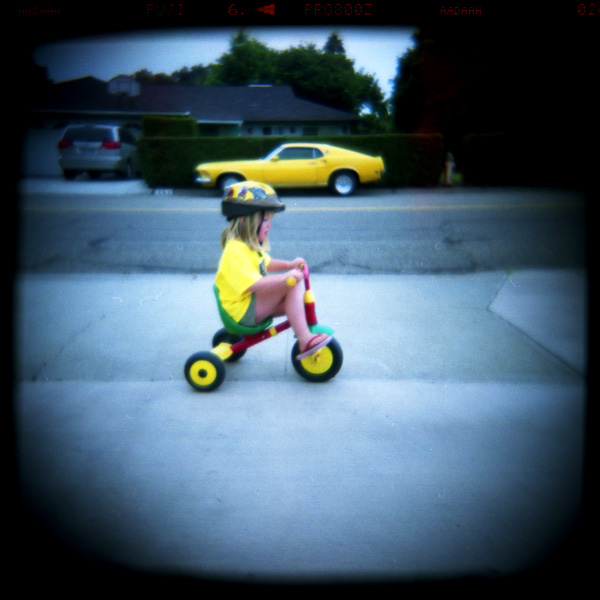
x=88, y=134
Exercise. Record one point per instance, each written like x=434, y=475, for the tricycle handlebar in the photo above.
x=292, y=281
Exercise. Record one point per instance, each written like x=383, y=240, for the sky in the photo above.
x=374, y=51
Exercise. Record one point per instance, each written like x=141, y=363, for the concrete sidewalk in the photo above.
x=450, y=444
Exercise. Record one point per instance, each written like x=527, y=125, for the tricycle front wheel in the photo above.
x=320, y=366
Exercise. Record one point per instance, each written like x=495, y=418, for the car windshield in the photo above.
x=88, y=134
x=273, y=153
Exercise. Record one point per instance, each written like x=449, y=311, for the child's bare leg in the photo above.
x=292, y=305
x=294, y=309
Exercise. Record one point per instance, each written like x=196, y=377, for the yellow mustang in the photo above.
x=298, y=165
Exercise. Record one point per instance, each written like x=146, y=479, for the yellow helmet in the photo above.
x=247, y=197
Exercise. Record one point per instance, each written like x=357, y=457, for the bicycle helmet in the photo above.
x=247, y=197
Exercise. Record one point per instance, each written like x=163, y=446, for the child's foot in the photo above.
x=315, y=343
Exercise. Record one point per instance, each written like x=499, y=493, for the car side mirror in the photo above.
x=274, y=158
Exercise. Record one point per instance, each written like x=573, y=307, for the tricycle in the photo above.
x=205, y=371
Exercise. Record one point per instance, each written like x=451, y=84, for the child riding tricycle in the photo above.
x=251, y=288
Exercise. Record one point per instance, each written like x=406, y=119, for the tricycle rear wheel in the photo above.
x=223, y=336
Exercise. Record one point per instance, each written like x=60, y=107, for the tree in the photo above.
x=247, y=62
x=334, y=44
x=325, y=76
x=451, y=85
x=145, y=76
x=196, y=75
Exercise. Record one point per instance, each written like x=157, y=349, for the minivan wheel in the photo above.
x=127, y=173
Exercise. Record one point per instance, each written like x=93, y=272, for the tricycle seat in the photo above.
x=234, y=327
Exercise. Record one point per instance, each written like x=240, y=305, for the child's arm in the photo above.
x=276, y=264
x=275, y=283
x=279, y=280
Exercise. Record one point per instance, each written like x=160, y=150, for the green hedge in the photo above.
x=410, y=160
x=175, y=126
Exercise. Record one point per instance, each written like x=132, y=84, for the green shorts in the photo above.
x=249, y=318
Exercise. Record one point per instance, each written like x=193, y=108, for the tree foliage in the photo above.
x=472, y=81
x=247, y=62
x=326, y=76
x=450, y=85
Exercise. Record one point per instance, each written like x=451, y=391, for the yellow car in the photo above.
x=298, y=165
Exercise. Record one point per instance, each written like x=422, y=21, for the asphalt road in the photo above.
x=98, y=229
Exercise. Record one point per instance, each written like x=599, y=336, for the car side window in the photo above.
x=296, y=154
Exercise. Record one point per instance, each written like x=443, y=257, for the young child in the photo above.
x=246, y=290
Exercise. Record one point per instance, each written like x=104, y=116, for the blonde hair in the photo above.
x=246, y=229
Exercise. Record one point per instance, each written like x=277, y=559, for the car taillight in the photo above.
x=64, y=144
x=111, y=145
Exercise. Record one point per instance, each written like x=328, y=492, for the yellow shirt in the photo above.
x=239, y=268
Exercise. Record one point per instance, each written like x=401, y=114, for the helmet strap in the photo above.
x=262, y=220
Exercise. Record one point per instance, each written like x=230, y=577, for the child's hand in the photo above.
x=293, y=277
x=298, y=263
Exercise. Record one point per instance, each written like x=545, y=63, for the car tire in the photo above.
x=127, y=172
x=227, y=180
x=69, y=174
x=343, y=183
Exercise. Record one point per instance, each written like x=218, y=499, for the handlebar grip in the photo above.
x=292, y=281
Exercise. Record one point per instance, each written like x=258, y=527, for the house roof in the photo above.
x=204, y=103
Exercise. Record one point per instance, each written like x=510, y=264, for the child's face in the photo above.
x=263, y=232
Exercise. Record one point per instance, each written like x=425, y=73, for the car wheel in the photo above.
x=68, y=174
x=343, y=183
x=127, y=172
x=227, y=180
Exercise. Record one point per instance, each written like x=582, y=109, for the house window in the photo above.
x=267, y=130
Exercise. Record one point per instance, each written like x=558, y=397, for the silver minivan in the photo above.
x=97, y=149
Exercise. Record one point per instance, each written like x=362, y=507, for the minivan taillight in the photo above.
x=111, y=145
x=64, y=144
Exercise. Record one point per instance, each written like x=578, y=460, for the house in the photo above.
x=218, y=110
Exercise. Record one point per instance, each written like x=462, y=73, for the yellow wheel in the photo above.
x=320, y=366
x=204, y=371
